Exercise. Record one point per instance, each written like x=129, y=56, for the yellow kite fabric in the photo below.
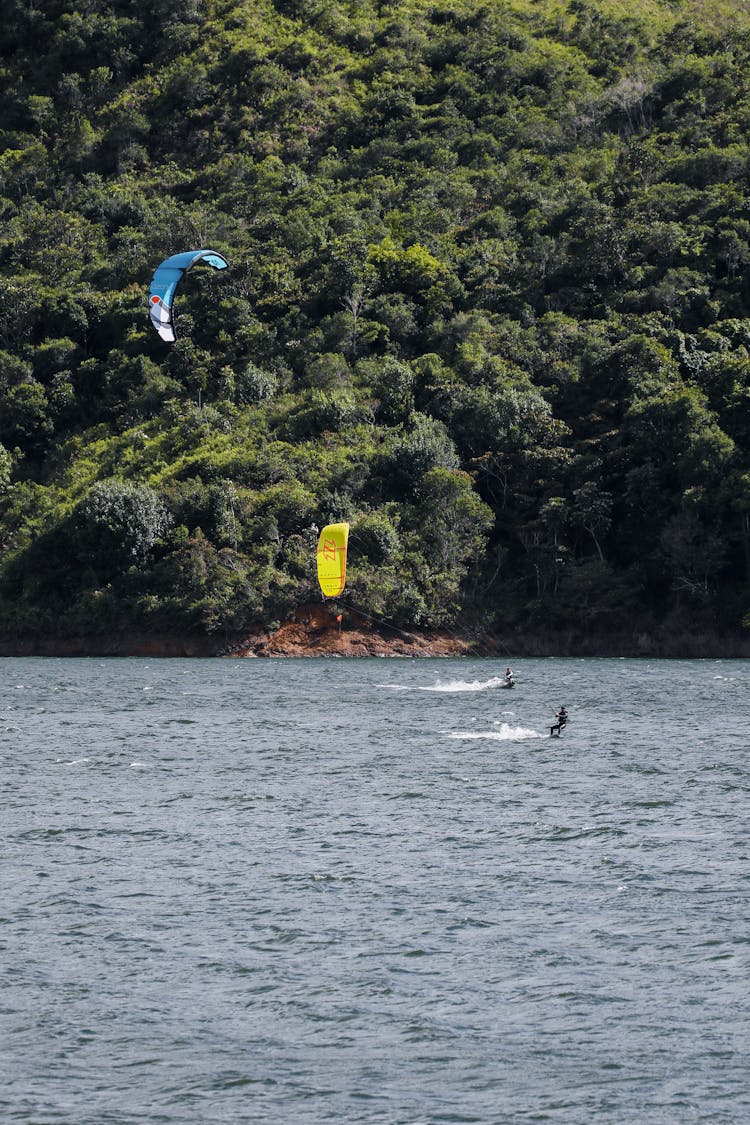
x=332, y=558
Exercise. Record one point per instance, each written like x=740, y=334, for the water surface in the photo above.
x=374, y=891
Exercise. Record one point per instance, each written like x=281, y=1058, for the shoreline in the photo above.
x=313, y=631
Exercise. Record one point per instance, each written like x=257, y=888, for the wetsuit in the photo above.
x=562, y=718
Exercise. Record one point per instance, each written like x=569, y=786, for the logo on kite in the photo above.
x=332, y=546
x=164, y=284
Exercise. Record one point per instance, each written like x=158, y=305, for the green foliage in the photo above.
x=118, y=525
x=426, y=445
x=394, y=389
x=6, y=468
x=25, y=420
x=375, y=540
x=487, y=300
x=201, y=588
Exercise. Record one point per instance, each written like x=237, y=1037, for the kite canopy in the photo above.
x=164, y=284
x=332, y=546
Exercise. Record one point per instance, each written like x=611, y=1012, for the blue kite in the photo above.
x=164, y=284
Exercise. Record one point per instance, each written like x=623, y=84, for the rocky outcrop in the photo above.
x=315, y=630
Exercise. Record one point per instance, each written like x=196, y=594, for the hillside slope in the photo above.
x=487, y=300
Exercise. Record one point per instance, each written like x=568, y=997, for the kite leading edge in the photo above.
x=164, y=283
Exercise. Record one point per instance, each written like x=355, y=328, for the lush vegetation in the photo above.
x=488, y=301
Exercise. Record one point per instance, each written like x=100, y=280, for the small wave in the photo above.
x=505, y=733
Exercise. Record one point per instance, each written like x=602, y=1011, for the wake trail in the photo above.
x=453, y=686
x=506, y=733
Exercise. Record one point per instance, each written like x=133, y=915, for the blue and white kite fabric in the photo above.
x=164, y=284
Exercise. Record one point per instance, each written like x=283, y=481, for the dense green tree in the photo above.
x=6, y=468
x=118, y=525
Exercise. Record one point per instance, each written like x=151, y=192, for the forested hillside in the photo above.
x=487, y=300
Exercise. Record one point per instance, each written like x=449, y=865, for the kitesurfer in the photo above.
x=509, y=677
x=562, y=718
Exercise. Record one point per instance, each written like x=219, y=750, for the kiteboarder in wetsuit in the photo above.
x=509, y=677
x=562, y=718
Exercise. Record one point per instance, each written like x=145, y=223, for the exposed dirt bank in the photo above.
x=315, y=631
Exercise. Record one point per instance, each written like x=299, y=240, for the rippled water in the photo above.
x=374, y=891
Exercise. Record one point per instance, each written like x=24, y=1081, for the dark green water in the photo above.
x=374, y=891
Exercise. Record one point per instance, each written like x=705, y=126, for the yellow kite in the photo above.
x=332, y=558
